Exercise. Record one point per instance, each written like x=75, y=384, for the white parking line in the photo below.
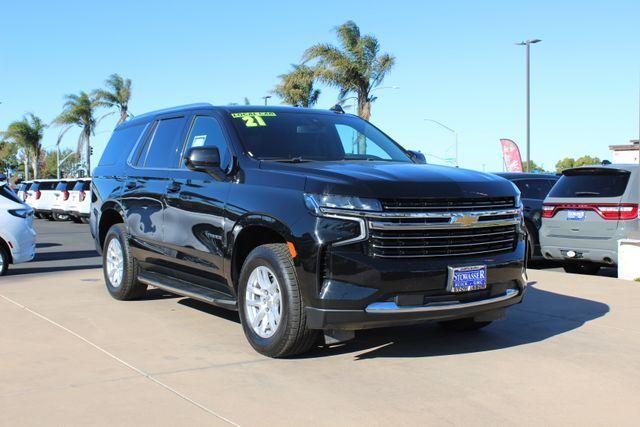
x=128, y=365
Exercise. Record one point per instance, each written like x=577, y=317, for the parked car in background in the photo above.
x=533, y=187
x=310, y=223
x=23, y=189
x=17, y=236
x=61, y=199
x=41, y=195
x=78, y=206
x=586, y=213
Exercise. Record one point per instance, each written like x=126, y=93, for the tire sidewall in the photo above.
x=262, y=256
x=5, y=261
x=117, y=232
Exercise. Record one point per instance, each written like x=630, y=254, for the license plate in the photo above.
x=467, y=278
x=575, y=215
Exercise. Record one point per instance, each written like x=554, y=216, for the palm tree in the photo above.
x=27, y=134
x=296, y=87
x=79, y=110
x=355, y=66
x=117, y=94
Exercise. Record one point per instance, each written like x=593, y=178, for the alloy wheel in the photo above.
x=263, y=302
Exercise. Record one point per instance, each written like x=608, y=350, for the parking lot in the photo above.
x=567, y=355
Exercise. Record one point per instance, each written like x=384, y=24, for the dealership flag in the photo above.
x=511, y=156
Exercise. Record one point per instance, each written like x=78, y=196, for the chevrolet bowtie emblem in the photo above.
x=464, y=219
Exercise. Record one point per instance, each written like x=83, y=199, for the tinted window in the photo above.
x=591, y=183
x=320, y=137
x=62, y=186
x=207, y=132
x=81, y=186
x=46, y=185
x=121, y=143
x=163, y=151
x=8, y=193
x=533, y=188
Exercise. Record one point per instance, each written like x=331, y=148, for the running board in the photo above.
x=180, y=287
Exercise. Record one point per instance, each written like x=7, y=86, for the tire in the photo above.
x=290, y=336
x=124, y=286
x=76, y=220
x=530, y=244
x=39, y=216
x=84, y=220
x=581, y=268
x=466, y=324
x=4, y=260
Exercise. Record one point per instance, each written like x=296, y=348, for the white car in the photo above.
x=61, y=198
x=41, y=195
x=17, y=236
x=23, y=189
x=79, y=205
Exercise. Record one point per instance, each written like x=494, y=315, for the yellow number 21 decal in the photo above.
x=253, y=121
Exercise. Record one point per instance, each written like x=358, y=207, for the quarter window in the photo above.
x=163, y=151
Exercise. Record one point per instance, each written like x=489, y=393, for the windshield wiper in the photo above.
x=291, y=160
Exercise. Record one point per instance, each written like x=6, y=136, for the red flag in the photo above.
x=511, y=156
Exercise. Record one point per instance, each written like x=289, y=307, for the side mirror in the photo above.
x=204, y=159
x=417, y=157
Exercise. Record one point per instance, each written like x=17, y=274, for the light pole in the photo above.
x=450, y=130
x=266, y=97
x=528, y=44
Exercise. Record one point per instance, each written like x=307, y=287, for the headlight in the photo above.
x=317, y=202
x=21, y=213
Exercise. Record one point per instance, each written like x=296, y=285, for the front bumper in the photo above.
x=389, y=313
x=24, y=246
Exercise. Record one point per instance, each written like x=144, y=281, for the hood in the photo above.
x=393, y=180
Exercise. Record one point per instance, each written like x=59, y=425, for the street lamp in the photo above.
x=266, y=97
x=528, y=43
x=450, y=130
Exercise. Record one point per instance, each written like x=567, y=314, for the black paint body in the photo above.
x=185, y=224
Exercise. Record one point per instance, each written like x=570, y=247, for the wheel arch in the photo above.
x=5, y=246
x=249, y=233
x=111, y=213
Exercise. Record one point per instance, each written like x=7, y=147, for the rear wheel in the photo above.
x=4, y=260
x=270, y=303
x=466, y=324
x=59, y=217
x=119, y=267
x=581, y=268
x=84, y=220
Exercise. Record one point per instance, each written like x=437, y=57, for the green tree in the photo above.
x=570, y=162
x=534, y=167
x=296, y=87
x=27, y=134
x=117, y=95
x=355, y=66
x=67, y=168
x=80, y=110
x=8, y=156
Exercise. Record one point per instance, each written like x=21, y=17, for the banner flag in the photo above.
x=511, y=156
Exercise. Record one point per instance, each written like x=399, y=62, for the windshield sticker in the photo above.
x=198, y=140
x=253, y=119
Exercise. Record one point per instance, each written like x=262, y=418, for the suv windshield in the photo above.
x=291, y=136
x=596, y=182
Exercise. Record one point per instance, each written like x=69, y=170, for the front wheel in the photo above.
x=466, y=324
x=270, y=303
x=119, y=267
x=4, y=260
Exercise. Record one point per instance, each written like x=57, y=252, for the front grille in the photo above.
x=443, y=204
x=436, y=242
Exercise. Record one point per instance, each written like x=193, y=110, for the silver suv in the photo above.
x=587, y=211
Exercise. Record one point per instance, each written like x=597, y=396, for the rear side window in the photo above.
x=62, y=186
x=163, y=151
x=120, y=145
x=533, y=188
x=8, y=193
x=47, y=185
x=591, y=183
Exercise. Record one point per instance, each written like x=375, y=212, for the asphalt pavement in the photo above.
x=71, y=355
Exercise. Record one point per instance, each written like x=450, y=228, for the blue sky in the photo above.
x=456, y=63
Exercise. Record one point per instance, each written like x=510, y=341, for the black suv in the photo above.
x=312, y=224
x=533, y=187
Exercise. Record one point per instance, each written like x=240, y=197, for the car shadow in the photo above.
x=156, y=294
x=34, y=270
x=542, y=315
x=64, y=256
x=211, y=309
x=47, y=245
